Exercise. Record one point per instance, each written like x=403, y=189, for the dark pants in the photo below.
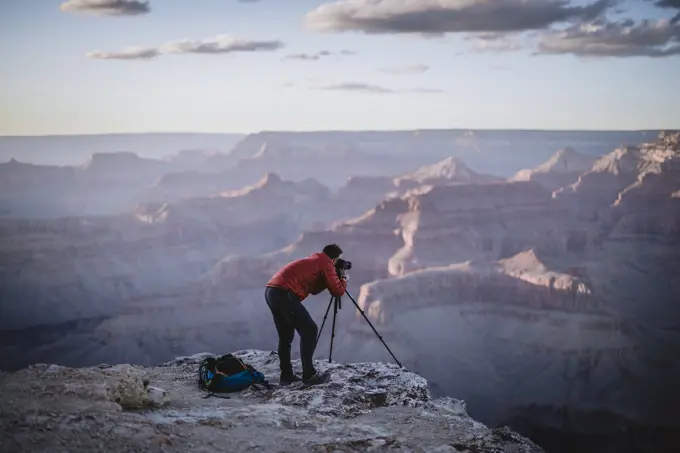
x=290, y=315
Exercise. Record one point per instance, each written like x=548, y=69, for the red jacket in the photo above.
x=310, y=275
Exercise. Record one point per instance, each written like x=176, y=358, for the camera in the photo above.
x=343, y=265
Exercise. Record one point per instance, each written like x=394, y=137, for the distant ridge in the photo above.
x=76, y=149
x=653, y=132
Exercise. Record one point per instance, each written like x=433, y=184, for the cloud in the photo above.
x=318, y=55
x=614, y=39
x=448, y=16
x=222, y=44
x=668, y=4
x=406, y=69
x=106, y=7
x=356, y=86
x=361, y=87
x=218, y=45
x=672, y=4
x=493, y=42
x=132, y=53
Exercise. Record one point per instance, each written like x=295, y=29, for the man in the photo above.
x=284, y=294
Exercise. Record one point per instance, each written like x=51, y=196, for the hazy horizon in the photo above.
x=312, y=131
x=314, y=65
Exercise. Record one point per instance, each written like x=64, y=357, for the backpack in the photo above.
x=227, y=373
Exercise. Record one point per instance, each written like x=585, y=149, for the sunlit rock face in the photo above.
x=522, y=280
x=448, y=224
x=451, y=170
x=649, y=169
x=560, y=170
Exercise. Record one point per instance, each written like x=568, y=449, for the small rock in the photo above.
x=54, y=369
x=443, y=449
x=157, y=396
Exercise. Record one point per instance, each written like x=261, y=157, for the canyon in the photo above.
x=513, y=281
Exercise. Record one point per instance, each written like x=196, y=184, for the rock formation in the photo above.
x=368, y=241
x=626, y=169
x=190, y=184
x=363, y=407
x=120, y=168
x=522, y=280
x=75, y=149
x=362, y=193
x=560, y=170
x=507, y=293
x=108, y=183
x=450, y=224
x=89, y=267
x=500, y=153
x=584, y=317
x=113, y=182
x=448, y=171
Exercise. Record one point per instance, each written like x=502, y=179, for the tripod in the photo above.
x=337, y=305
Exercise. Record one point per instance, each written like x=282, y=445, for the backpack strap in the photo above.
x=216, y=396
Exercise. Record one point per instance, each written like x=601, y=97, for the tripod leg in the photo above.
x=369, y=323
x=335, y=314
x=324, y=320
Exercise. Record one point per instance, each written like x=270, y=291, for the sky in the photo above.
x=114, y=66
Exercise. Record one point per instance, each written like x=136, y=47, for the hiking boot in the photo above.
x=287, y=379
x=316, y=378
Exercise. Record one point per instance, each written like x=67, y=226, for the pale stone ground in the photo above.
x=363, y=407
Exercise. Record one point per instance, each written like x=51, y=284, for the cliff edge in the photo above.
x=363, y=407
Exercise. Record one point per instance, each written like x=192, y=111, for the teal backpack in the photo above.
x=226, y=374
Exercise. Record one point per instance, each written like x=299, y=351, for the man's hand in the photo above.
x=342, y=275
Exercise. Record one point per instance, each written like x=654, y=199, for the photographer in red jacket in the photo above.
x=284, y=294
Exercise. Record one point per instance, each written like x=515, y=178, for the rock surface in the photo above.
x=451, y=170
x=504, y=294
x=362, y=407
x=560, y=170
x=73, y=268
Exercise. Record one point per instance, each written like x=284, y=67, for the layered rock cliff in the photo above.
x=363, y=407
x=560, y=300
x=626, y=169
x=65, y=269
x=560, y=170
x=449, y=224
x=583, y=318
x=107, y=183
x=111, y=183
x=522, y=280
x=376, y=153
x=361, y=193
x=448, y=171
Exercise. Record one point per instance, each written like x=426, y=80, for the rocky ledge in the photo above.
x=362, y=407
